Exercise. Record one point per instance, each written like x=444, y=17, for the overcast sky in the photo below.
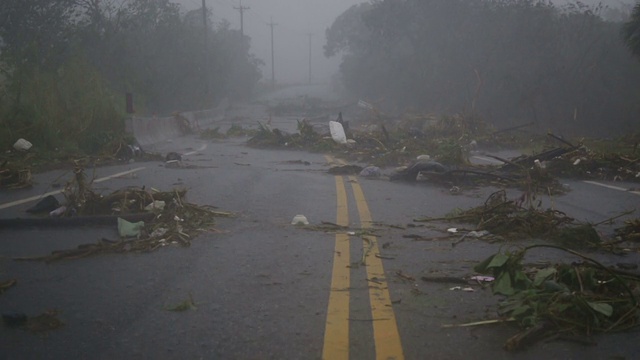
x=295, y=19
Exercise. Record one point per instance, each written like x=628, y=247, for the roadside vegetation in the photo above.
x=65, y=67
x=565, y=69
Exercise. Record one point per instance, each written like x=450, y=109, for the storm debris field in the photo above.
x=568, y=300
x=441, y=150
x=146, y=219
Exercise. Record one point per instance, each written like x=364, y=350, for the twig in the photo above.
x=477, y=323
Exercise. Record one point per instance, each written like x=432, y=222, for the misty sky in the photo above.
x=295, y=19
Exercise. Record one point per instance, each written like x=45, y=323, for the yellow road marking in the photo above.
x=336, y=336
x=385, y=328
x=55, y=192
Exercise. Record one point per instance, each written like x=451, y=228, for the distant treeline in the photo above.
x=509, y=61
x=66, y=65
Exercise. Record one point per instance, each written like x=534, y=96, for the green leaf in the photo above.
x=503, y=284
x=543, y=275
x=603, y=308
x=483, y=267
x=520, y=310
x=498, y=260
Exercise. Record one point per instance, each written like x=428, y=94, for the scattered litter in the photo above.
x=299, y=220
x=337, y=132
x=128, y=229
x=467, y=288
x=371, y=171
x=185, y=305
x=155, y=205
x=22, y=145
x=58, y=212
x=452, y=230
x=481, y=278
x=423, y=157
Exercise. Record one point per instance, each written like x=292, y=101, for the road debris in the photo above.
x=510, y=219
x=6, y=284
x=299, y=220
x=176, y=222
x=577, y=299
x=185, y=305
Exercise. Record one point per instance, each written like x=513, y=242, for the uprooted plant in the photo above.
x=570, y=301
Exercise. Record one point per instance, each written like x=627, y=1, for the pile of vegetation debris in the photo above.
x=525, y=218
x=17, y=166
x=158, y=218
x=563, y=301
x=450, y=141
x=14, y=176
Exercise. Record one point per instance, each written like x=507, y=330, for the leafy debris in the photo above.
x=577, y=299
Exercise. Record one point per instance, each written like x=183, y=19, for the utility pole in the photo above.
x=205, y=68
x=241, y=9
x=273, y=72
x=310, y=35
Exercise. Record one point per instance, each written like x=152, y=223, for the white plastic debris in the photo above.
x=371, y=171
x=452, y=230
x=577, y=162
x=337, y=132
x=482, y=278
x=467, y=289
x=539, y=165
x=58, y=212
x=129, y=229
x=478, y=234
x=423, y=157
x=299, y=220
x=22, y=145
x=156, y=205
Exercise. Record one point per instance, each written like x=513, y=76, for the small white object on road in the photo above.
x=299, y=220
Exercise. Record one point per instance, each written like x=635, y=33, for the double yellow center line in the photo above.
x=385, y=329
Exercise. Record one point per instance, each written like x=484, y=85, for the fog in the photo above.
x=295, y=19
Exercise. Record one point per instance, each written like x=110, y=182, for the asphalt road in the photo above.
x=265, y=289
